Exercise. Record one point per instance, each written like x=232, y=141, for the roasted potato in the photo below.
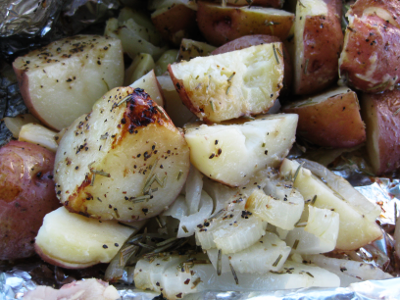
x=61, y=81
x=257, y=39
x=369, y=60
x=230, y=85
x=220, y=25
x=381, y=115
x=26, y=195
x=125, y=160
x=318, y=40
x=330, y=119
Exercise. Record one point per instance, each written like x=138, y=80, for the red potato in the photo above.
x=175, y=22
x=257, y=39
x=318, y=40
x=223, y=24
x=26, y=195
x=265, y=3
x=381, y=115
x=369, y=60
x=61, y=81
x=330, y=119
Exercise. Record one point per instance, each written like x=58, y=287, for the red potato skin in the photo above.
x=258, y=39
x=27, y=194
x=393, y=7
x=323, y=42
x=335, y=122
x=176, y=18
x=368, y=37
x=221, y=26
x=384, y=109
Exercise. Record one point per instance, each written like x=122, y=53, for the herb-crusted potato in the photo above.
x=230, y=85
x=125, y=160
x=61, y=81
x=369, y=60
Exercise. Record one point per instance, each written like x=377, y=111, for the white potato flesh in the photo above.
x=62, y=81
x=176, y=110
x=125, y=160
x=283, y=213
x=176, y=280
x=231, y=154
x=150, y=84
x=74, y=241
x=39, y=135
x=233, y=84
x=190, y=49
x=354, y=229
x=318, y=236
x=15, y=124
x=142, y=64
x=269, y=253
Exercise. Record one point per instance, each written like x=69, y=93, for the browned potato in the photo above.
x=223, y=24
x=257, y=39
x=318, y=40
x=381, y=115
x=330, y=119
x=369, y=60
x=175, y=22
x=26, y=195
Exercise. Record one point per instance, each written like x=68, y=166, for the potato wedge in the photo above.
x=62, y=81
x=318, y=40
x=124, y=161
x=380, y=112
x=221, y=24
x=265, y=3
x=230, y=85
x=190, y=49
x=330, y=119
x=73, y=241
x=150, y=84
x=231, y=154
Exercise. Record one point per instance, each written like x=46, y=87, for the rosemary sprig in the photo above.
x=219, y=262
x=234, y=273
x=276, y=55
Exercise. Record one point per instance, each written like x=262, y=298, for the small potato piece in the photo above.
x=381, y=114
x=175, y=22
x=124, y=161
x=330, y=119
x=15, y=124
x=39, y=135
x=231, y=154
x=318, y=40
x=257, y=39
x=26, y=195
x=168, y=57
x=223, y=24
x=61, y=81
x=141, y=65
x=229, y=85
x=73, y=241
x=190, y=49
x=369, y=60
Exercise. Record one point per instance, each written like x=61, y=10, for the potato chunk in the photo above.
x=231, y=154
x=230, y=85
x=125, y=160
x=62, y=81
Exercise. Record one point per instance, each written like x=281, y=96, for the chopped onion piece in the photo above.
x=269, y=253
